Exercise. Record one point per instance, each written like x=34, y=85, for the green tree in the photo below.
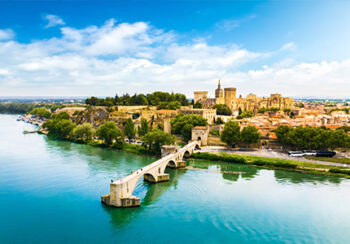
x=186, y=132
x=197, y=105
x=245, y=114
x=155, y=139
x=231, y=133
x=84, y=131
x=109, y=132
x=173, y=105
x=129, y=129
x=282, y=133
x=181, y=120
x=41, y=112
x=61, y=115
x=143, y=129
x=218, y=121
x=250, y=135
x=59, y=127
x=222, y=109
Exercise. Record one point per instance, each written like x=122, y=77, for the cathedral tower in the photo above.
x=219, y=95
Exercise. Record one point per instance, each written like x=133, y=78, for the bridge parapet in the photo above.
x=121, y=190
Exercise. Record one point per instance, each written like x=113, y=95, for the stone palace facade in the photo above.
x=251, y=102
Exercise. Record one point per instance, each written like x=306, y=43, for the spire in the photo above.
x=219, y=86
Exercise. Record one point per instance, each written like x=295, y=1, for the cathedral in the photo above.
x=251, y=102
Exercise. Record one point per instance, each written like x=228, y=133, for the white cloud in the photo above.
x=290, y=46
x=230, y=24
x=53, y=20
x=136, y=57
x=6, y=34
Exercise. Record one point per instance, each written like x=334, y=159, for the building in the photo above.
x=251, y=102
x=208, y=114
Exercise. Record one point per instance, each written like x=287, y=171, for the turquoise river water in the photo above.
x=50, y=193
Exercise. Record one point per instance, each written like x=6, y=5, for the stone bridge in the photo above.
x=121, y=190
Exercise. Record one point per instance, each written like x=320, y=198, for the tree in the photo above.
x=250, y=135
x=197, y=105
x=155, y=139
x=143, y=129
x=129, y=129
x=186, y=132
x=173, y=105
x=84, y=131
x=59, y=127
x=41, y=112
x=109, y=132
x=61, y=115
x=222, y=109
x=181, y=120
x=282, y=133
x=245, y=114
x=231, y=133
x=218, y=121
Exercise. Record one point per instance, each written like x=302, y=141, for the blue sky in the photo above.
x=298, y=48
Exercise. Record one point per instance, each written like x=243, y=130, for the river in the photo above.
x=50, y=193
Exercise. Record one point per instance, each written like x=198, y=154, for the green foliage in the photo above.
x=181, y=120
x=218, y=121
x=143, y=129
x=287, y=110
x=129, y=129
x=155, y=139
x=344, y=128
x=16, y=107
x=222, y=109
x=161, y=99
x=346, y=110
x=231, y=133
x=245, y=114
x=61, y=128
x=186, y=132
x=61, y=115
x=109, y=132
x=312, y=137
x=214, y=132
x=84, y=131
x=173, y=105
x=197, y=105
x=339, y=171
x=299, y=105
x=263, y=110
x=231, y=158
x=250, y=134
x=41, y=112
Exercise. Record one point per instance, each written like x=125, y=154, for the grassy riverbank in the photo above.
x=332, y=160
x=275, y=163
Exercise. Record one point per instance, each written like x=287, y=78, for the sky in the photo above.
x=102, y=48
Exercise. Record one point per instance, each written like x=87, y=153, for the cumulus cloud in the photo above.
x=137, y=57
x=53, y=20
x=6, y=34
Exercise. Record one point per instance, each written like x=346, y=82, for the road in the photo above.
x=267, y=153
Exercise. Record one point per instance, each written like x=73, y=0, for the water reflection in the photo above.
x=298, y=178
x=122, y=216
x=229, y=171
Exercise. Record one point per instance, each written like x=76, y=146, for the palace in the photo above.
x=251, y=102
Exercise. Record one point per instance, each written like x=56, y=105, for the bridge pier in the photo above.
x=121, y=190
x=159, y=178
x=180, y=164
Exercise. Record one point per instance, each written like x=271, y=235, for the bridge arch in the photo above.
x=187, y=154
x=150, y=177
x=171, y=164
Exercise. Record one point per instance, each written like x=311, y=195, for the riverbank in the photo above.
x=275, y=163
